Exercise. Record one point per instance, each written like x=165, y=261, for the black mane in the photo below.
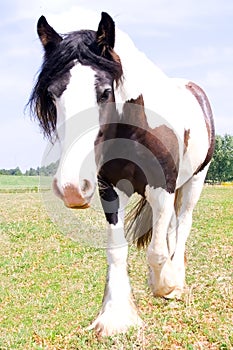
x=78, y=46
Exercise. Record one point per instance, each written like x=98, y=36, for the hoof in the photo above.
x=162, y=279
x=175, y=294
x=114, y=321
x=163, y=292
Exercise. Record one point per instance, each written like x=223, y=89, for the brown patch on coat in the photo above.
x=161, y=141
x=155, y=161
x=178, y=201
x=186, y=139
x=203, y=101
x=155, y=152
x=134, y=113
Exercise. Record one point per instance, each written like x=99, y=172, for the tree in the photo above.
x=48, y=170
x=16, y=171
x=32, y=172
x=221, y=167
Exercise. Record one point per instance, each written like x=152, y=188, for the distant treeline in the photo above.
x=48, y=170
x=221, y=167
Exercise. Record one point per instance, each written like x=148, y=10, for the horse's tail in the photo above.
x=138, y=223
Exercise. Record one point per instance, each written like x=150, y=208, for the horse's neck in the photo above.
x=140, y=74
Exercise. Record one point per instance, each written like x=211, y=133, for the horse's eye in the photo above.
x=104, y=96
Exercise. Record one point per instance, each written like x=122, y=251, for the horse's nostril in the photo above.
x=86, y=186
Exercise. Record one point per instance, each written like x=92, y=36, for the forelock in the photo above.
x=79, y=46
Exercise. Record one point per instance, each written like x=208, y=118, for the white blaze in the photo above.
x=77, y=127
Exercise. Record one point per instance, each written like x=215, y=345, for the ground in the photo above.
x=51, y=287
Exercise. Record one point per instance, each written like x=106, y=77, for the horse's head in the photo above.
x=78, y=74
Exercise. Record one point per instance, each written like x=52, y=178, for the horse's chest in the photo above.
x=130, y=163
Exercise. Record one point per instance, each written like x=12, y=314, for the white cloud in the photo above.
x=214, y=54
x=129, y=13
x=166, y=12
x=196, y=56
x=222, y=124
x=218, y=79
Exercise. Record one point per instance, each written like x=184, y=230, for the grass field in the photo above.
x=51, y=287
x=18, y=183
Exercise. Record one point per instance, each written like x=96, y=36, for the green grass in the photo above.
x=22, y=183
x=51, y=287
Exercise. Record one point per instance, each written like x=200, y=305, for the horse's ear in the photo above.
x=48, y=36
x=105, y=35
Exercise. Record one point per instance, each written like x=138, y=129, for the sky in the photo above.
x=186, y=38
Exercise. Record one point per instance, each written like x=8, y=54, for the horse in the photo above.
x=154, y=137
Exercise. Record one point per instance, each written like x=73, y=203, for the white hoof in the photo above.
x=175, y=294
x=162, y=278
x=180, y=283
x=116, y=319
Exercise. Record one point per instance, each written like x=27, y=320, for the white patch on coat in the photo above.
x=80, y=92
x=77, y=105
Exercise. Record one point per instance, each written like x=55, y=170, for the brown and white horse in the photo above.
x=149, y=134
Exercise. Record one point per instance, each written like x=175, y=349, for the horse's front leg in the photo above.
x=162, y=277
x=118, y=311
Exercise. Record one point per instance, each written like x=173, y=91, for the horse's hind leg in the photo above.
x=186, y=199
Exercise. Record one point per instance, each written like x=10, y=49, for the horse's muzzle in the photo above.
x=72, y=196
